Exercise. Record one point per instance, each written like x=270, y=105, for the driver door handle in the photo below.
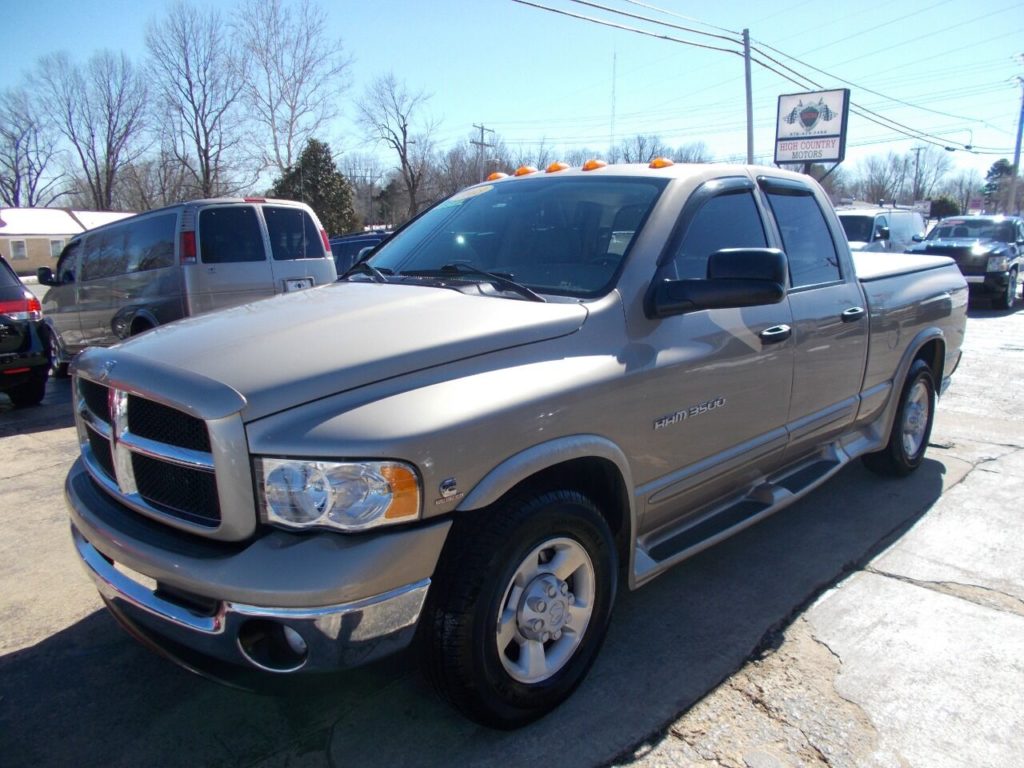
x=853, y=314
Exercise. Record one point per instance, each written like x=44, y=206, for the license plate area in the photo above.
x=297, y=284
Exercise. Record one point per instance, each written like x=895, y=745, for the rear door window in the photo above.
x=293, y=234
x=812, y=255
x=230, y=234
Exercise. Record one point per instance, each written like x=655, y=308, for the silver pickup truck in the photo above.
x=543, y=386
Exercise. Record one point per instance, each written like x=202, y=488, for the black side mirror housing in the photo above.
x=882, y=234
x=45, y=276
x=737, y=277
x=918, y=238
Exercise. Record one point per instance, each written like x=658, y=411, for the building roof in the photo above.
x=26, y=222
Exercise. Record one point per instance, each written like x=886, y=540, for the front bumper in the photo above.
x=281, y=603
x=989, y=283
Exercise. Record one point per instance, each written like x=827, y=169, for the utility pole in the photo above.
x=917, y=173
x=1011, y=202
x=480, y=145
x=750, y=100
x=611, y=131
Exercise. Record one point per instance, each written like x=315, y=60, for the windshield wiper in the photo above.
x=366, y=268
x=461, y=269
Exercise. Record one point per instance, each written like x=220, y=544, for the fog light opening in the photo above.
x=272, y=646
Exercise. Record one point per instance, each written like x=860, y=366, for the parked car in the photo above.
x=881, y=229
x=988, y=249
x=24, y=348
x=546, y=382
x=346, y=248
x=121, y=279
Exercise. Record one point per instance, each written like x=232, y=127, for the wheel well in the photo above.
x=933, y=354
x=139, y=324
x=599, y=480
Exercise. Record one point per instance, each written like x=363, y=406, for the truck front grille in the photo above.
x=154, y=458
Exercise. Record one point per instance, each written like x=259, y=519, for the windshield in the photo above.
x=973, y=229
x=562, y=236
x=858, y=228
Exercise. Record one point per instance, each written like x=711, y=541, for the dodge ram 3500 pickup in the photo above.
x=541, y=387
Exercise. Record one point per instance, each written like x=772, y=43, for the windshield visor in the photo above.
x=566, y=236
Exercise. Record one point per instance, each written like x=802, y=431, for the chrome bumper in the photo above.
x=278, y=640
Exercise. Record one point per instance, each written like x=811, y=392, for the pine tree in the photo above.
x=316, y=181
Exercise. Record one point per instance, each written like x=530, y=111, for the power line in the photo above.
x=859, y=110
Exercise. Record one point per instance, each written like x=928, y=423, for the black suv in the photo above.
x=988, y=250
x=24, y=341
x=346, y=248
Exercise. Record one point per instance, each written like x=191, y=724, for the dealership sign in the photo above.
x=811, y=127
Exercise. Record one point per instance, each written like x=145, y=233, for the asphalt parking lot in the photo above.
x=875, y=623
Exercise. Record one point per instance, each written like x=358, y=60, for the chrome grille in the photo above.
x=169, y=425
x=154, y=458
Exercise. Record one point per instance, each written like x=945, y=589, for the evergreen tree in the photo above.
x=996, y=178
x=316, y=181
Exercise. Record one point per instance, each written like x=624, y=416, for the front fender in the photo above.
x=525, y=464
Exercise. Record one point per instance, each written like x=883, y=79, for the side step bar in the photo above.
x=666, y=548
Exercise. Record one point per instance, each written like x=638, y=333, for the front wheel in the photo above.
x=520, y=605
x=912, y=427
x=1009, y=296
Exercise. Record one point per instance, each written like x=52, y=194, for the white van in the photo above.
x=148, y=270
x=881, y=229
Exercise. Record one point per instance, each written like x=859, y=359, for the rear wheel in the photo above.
x=60, y=370
x=28, y=394
x=912, y=427
x=520, y=605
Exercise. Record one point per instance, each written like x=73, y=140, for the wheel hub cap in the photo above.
x=544, y=608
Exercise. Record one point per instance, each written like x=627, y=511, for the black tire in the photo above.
x=59, y=369
x=1009, y=297
x=911, y=428
x=28, y=394
x=475, y=584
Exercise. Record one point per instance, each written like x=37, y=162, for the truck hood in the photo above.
x=302, y=346
x=943, y=244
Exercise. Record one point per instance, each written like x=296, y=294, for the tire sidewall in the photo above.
x=919, y=372
x=514, y=701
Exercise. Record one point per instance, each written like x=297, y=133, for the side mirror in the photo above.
x=918, y=238
x=45, y=276
x=737, y=277
x=882, y=233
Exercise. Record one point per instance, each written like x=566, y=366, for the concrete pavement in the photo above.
x=917, y=657
x=875, y=623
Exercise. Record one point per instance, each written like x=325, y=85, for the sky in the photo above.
x=944, y=70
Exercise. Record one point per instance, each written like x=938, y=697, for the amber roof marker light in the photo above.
x=593, y=164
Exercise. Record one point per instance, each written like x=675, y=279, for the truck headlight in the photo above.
x=998, y=263
x=347, y=496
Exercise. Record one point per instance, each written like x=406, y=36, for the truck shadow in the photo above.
x=89, y=695
x=53, y=413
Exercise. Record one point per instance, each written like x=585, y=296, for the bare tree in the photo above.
x=964, y=187
x=390, y=113
x=694, y=152
x=28, y=147
x=295, y=77
x=929, y=167
x=881, y=178
x=641, y=149
x=199, y=77
x=100, y=111
x=155, y=181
